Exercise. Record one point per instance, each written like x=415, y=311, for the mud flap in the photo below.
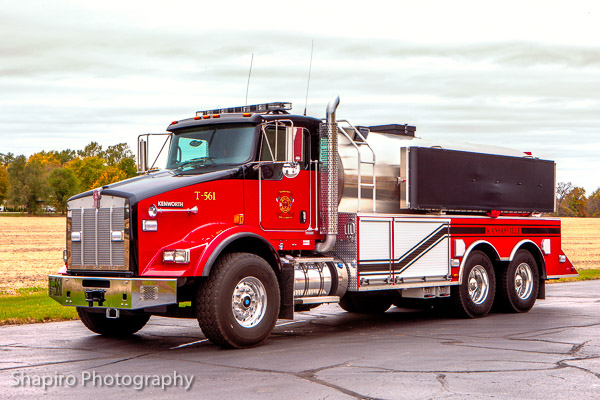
x=286, y=288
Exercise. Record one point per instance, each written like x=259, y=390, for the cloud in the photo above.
x=72, y=74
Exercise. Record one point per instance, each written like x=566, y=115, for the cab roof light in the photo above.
x=174, y=122
x=216, y=116
x=278, y=106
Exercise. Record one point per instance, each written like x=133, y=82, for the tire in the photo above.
x=237, y=306
x=519, y=284
x=366, y=303
x=474, y=297
x=125, y=325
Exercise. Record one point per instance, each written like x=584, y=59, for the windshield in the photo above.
x=211, y=145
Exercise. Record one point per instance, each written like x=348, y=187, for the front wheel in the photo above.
x=238, y=305
x=519, y=284
x=125, y=325
x=474, y=297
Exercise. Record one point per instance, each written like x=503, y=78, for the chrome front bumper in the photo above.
x=116, y=293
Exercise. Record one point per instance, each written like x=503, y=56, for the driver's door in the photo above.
x=285, y=186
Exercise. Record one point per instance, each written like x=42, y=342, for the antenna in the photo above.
x=249, y=73
x=309, y=69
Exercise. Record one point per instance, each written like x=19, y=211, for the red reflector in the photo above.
x=196, y=118
x=206, y=116
x=216, y=116
x=174, y=122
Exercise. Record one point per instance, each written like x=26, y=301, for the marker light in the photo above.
x=238, y=219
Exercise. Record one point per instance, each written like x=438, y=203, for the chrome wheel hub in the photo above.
x=249, y=302
x=523, y=281
x=478, y=284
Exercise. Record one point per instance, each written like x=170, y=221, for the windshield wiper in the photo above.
x=199, y=160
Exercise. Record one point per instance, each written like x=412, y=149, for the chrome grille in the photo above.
x=96, y=248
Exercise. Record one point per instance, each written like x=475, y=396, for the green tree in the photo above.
x=4, y=184
x=115, y=154
x=6, y=159
x=65, y=156
x=28, y=186
x=91, y=150
x=88, y=170
x=575, y=203
x=16, y=178
x=63, y=184
x=593, y=204
x=127, y=165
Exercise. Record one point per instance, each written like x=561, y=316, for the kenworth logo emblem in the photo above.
x=96, y=196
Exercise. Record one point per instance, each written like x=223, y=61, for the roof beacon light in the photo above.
x=278, y=106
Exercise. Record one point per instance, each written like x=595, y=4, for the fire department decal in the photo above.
x=285, y=200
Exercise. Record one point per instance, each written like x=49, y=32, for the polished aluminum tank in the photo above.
x=390, y=169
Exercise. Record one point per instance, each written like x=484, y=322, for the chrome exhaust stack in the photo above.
x=328, y=132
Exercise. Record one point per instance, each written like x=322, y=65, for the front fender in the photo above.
x=224, y=239
x=205, y=244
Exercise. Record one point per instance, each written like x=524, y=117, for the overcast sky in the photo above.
x=522, y=74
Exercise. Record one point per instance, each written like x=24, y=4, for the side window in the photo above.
x=284, y=144
x=273, y=144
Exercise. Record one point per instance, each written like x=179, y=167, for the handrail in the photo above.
x=360, y=184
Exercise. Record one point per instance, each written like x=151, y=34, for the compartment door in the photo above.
x=421, y=249
x=375, y=249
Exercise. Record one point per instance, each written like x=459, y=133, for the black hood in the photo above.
x=144, y=186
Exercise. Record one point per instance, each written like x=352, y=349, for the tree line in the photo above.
x=49, y=178
x=571, y=201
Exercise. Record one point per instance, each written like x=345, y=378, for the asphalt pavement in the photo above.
x=552, y=352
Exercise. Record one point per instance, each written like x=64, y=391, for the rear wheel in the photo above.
x=125, y=325
x=238, y=305
x=366, y=303
x=474, y=297
x=519, y=284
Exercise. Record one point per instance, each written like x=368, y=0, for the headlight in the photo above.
x=152, y=211
x=176, y=256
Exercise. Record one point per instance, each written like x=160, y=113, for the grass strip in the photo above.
x=584, y=275
x=32, y=305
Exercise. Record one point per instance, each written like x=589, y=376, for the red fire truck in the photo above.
x=260, y=213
